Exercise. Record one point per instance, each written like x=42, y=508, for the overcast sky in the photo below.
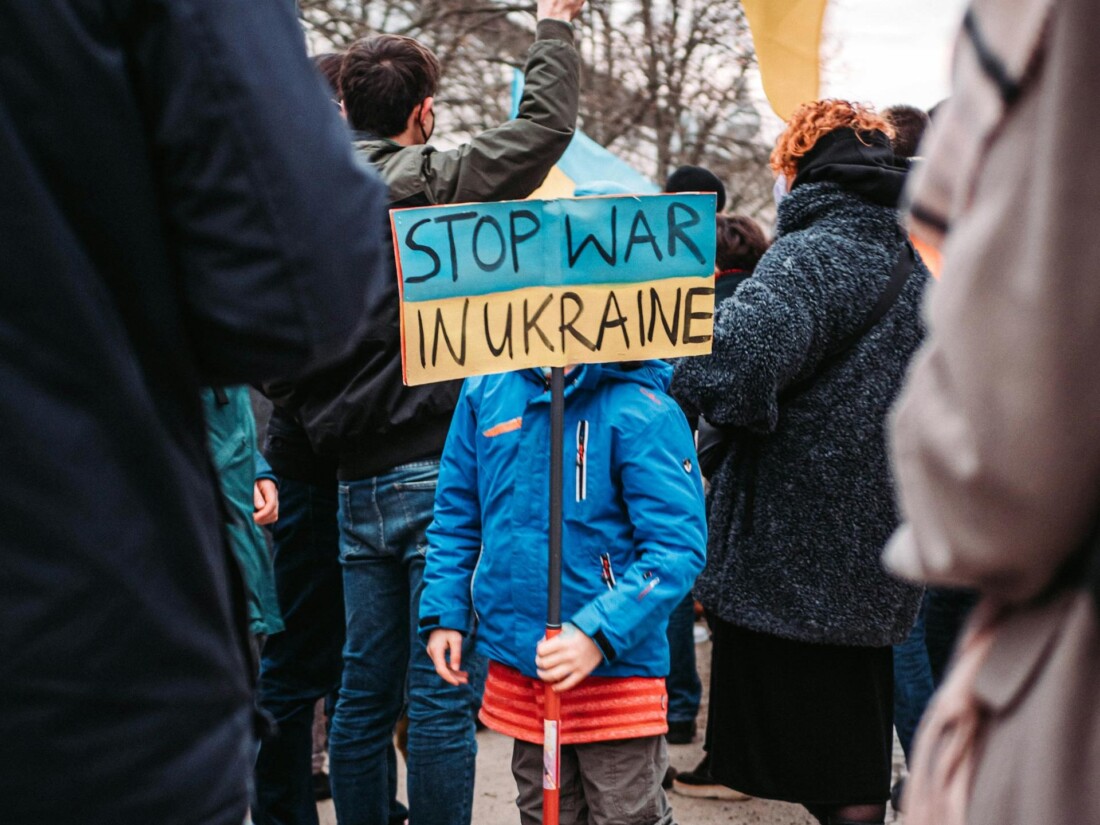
x=889, y=51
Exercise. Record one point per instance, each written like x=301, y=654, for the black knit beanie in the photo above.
x=697, y=179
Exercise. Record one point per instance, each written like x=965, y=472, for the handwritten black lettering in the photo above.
x=441, y=331
x=645, y=237
x=450, y=220
x=491, y=266
x=609, y=257
x=689, y=315
x=606, y=323
x=517, y=237
x=506, y=341
x=656, y=308
x=423, y=354
x=578, y=306
x=427, y=250
x=676, y=230
x=532, y=323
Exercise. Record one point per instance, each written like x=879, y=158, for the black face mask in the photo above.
x=427, y=135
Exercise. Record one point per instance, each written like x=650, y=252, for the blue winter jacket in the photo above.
x=634, y=534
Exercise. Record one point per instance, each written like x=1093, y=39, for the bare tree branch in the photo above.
x=664, y=82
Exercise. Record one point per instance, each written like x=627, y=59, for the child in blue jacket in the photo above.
x=634, y=539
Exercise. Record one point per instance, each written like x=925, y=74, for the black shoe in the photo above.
x=321, y=787
x=680, y=733
x=701, y=785
x=670, y=775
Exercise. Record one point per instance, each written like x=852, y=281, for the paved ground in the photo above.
x=494, y=794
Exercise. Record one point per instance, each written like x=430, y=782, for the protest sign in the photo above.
x=495, y=287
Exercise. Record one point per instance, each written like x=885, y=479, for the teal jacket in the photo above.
x=231, y=433
x=634, y=533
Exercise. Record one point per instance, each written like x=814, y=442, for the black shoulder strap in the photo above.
x=903, y=268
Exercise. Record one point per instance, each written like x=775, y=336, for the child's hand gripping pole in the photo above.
x=564, y=658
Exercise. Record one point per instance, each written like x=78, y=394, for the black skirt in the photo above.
x=800, y=722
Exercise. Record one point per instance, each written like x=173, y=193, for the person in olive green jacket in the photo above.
x=388, y=438
x=251, y=498
x=359, y=409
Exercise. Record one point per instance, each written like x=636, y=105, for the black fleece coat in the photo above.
x=802, y=507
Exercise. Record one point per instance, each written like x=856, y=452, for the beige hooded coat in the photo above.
x=996, y=438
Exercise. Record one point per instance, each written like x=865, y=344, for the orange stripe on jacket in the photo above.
x=932, y=257
x=599, y=709
x=503, y=427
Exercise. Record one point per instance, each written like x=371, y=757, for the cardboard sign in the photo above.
x=495, y=287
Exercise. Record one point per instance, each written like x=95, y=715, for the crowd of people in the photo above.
x=192, y=206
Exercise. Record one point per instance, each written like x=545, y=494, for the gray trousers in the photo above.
x=602, y=783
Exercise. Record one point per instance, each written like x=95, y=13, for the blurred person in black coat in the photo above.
x=180, y=207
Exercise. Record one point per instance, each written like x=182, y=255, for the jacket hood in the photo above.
x=863, y=164
x=397, y=165
x=652, y=374
x=814, y=202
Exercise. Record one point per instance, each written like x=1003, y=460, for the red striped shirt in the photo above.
x=599, y=709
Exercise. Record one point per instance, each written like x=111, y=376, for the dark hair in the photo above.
x=383, y=78
x=697, y=179
x=328, y=64
x=909, y=124
x=740, y=243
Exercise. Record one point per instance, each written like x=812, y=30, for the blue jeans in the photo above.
x=684, y=688
x=912, y=681
x=303, y=663
x=948, y=610
x=382, y=548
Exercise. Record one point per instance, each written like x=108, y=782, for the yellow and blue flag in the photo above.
x=584, y=161
x=787, y=36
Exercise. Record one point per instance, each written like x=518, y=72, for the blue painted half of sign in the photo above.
x=481, y=248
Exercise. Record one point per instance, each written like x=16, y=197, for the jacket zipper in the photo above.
x=582, y=460
x=606, y=573
x=473, y=581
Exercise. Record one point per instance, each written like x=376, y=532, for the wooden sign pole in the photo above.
x=551, y=754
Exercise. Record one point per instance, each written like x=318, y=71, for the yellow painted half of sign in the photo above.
x=555, y=326
x=787, y=35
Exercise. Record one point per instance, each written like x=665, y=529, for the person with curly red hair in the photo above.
x=807, y=356
x=812, y=121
